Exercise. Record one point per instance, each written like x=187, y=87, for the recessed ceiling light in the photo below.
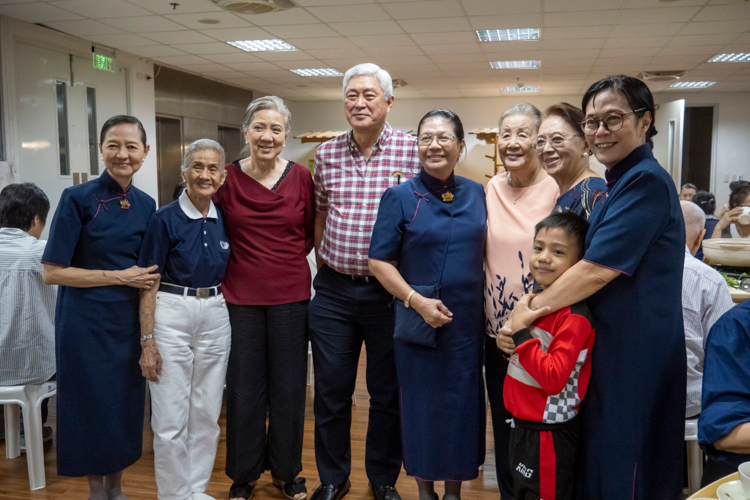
x=508, y=35
x=731, y=58
x=317, y=72
x=691, y=85
x=525, y=88
x=263, y=45
x=209, y=21
x=515, y=64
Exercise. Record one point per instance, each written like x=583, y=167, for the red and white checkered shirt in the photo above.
x=349, y=187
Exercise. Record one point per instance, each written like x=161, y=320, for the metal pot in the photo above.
x=727, y=251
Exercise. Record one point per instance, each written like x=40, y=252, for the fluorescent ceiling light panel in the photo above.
x=526, y=88
x=317, y=72
x=515, y=64
x=509, y=35
x=263, y=45
x=730, y=58
x=691, y=85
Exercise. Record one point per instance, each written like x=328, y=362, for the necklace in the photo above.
x=515, y=199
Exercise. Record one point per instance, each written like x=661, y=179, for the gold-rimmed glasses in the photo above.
x=612, y=121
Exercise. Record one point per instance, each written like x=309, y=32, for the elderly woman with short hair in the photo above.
x=268, y=204
x=185, y=332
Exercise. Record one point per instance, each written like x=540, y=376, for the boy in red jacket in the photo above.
x=549, y=372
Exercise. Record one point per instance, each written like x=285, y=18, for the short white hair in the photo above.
x=524, y=109
x=695, y=219
x=370, y=69
x=202, y=145
x=269, y=102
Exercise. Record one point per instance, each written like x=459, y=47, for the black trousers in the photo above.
x=344, y=313
x=267, y=372
x=496, y=366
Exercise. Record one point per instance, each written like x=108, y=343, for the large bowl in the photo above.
x=728, y=251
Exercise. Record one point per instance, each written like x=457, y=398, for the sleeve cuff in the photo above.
x=522, y=336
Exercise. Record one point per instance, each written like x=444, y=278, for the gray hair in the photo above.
x=370, y=69
x=203, y=145
x=695, y=219
x=525, y=109
x=688, y=186
x=269, y=102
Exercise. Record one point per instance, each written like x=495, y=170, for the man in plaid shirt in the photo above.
x=350, y=306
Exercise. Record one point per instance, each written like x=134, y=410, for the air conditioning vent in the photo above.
x=661, y=76
x=254, y=6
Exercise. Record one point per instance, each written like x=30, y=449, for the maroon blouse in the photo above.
x=270, y=234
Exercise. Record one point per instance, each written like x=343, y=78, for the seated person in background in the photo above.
x=729, y=225
x=27, y=304
x=705, y=297
x=707, y=202
x=732, y=186
x=687, y=192
x=724, y=424
x=549, y=372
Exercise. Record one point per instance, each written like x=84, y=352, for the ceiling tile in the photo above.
x=570, y=54
x=37, y=13
x=333, y=42
x=179, y=60
x=501, y=7
x=658, y=15
x=294, y=55
x=345, y=64
x=697, y=40
x=705, y=50
x=449, y=58
x=227, y=20
x=424, y=9
x=206, y=69
x=645, y=30
x=176, y=37
x=403, y=60
x=434, y=25
x=184, y=7
x=650, y=4
x=624, y=43
x=481, y=67
x=367, y=28
x=723, y=12
x=121, y=41
x=253, y=66
x=157, y=51
x=688, y=60
x=370, y=41
x=226, y=73
x=488, y=92
x=232, y=58
x=443, y=38
x=348, y=52
x=642, y=52
x=453, y=48
x=393, y=51
x=208, y=48
x=581, y=5
x=234, y=34
x=347, y=13
x=574, y=43
x=717, y=27
x=312, y=64
x=143, y=24
x=442, y=94
x=315, y=3
x=97, y=9
x=588, y=18
x=570, y=33
x=506, y=22
x=301, y=31
x=83, y=27
x=291, y=16
x=573, y=64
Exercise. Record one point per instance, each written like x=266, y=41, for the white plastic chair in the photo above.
x=694, y=455
x=29, y=398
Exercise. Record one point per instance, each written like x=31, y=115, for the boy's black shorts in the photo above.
x=542, y=459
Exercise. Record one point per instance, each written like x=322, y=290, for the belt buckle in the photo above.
x=202, y=293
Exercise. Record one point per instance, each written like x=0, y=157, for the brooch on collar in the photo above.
x=448, y=197
x=124, y=204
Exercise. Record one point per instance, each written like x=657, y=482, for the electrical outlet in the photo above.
x=734, y=178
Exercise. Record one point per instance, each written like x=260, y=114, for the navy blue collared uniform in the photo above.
x=634, y=410
x=190, y=250
x=100, y=389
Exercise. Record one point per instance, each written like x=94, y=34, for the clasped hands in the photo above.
x=522, y=316
x=139, y=277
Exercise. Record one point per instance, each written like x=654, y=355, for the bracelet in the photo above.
x=408, y=298
x=147, y=337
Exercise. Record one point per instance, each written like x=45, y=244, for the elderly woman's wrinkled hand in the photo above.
x=433, y=311
x=139, y=277
x=150, y=360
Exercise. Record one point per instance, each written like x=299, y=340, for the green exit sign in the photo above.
x=104, y=63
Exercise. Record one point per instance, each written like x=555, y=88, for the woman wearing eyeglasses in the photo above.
x=564, y=153
x=631, y=277
x=427, y=248
x=516, y=201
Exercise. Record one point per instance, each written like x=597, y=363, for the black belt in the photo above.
x=201, y=293
x=356, y=277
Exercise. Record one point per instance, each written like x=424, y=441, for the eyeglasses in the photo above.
x=555, y=140
x=443, y=140
x=612, y=122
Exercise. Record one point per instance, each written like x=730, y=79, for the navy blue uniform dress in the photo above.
x=583, y=198
x=100, y=389
x=441, y=389
x=634, y=410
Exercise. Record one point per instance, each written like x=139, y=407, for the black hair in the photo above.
x=705, y=200
x=458, y=127
x=689, y=185
x=178, y=189
x=735, y=184
x=738, y=195
x=122, y=120
x=573, y=224
x=20, y=203
x=635, y=92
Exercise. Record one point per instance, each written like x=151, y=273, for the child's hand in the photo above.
x=523, y=316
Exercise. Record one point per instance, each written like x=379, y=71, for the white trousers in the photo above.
x=193, y=336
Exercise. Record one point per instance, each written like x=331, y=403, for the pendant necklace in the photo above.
x=515, y=199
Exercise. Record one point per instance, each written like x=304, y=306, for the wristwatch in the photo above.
x=146, y=337
x=408, y=298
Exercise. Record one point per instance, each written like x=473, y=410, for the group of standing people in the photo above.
x=218, y=285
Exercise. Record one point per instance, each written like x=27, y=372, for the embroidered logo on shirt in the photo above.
x=224, y=245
